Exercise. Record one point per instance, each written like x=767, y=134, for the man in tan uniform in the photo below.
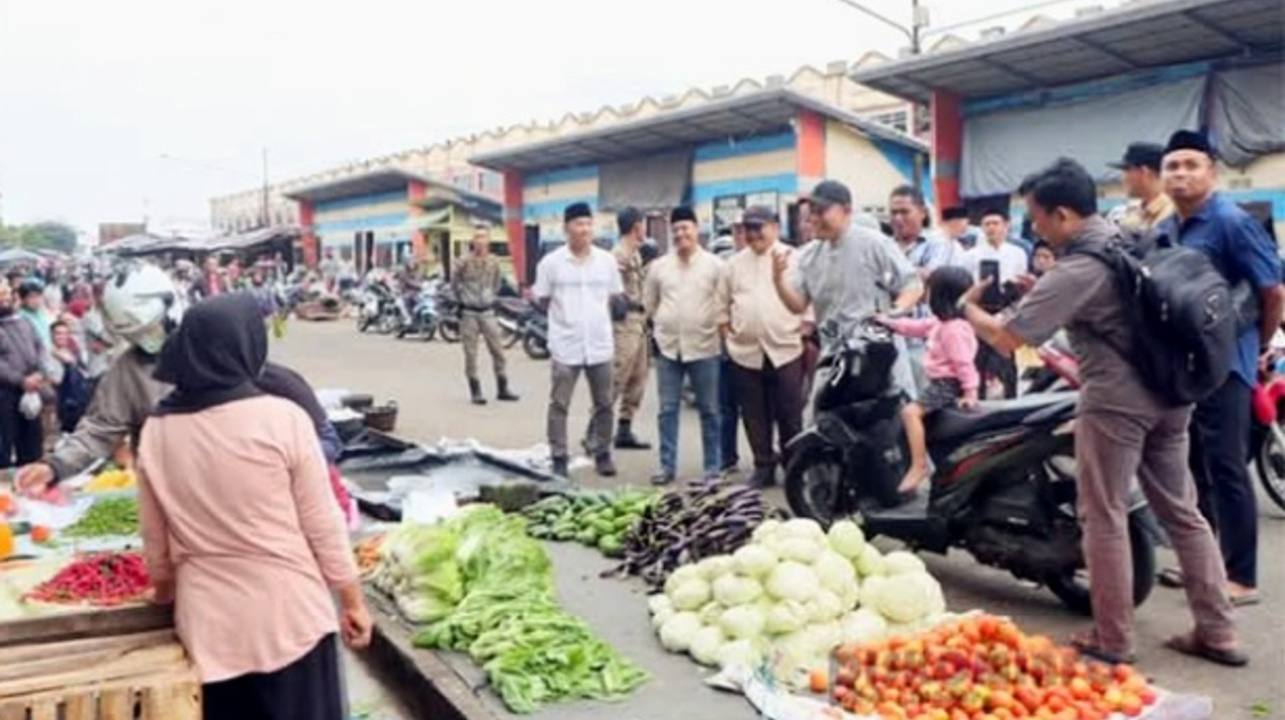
x=477, y=280
x=630, y=330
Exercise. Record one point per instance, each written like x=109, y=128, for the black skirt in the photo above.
x=306, y=689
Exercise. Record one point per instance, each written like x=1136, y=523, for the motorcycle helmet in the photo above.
x=142, y=305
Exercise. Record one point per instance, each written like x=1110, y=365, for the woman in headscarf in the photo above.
x=240, y=528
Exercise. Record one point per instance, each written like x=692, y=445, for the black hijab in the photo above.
x=215, y=356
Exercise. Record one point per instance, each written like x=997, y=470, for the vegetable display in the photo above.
x=111, y=480
x=485, y=587
x=982, y=666
x=688, y=524
x=101, y=579
x=790, y=596
x=107, y=516
x=596, y=519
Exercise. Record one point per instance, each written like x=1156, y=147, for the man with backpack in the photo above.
x=1208, y=221
x=1125, y=426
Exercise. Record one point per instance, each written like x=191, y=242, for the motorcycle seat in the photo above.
x=992, y=415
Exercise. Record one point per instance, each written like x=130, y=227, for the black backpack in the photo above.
x=1183, y=314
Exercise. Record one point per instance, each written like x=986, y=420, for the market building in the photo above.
x=1086, y=88
x=767, y=147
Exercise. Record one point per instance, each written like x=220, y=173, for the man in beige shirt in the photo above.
x=765, y=343
x=685, y=298
x=1140, y=174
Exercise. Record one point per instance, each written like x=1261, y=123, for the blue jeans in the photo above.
x=704, y=377
x=729, y=413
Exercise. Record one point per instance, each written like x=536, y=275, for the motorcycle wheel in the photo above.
x=1269, y=461
x=814, y=486
x=535, y=348
x=449, y=330
x=362, y=322
x=1072, y=589
x=386, y=324
x=509, y=335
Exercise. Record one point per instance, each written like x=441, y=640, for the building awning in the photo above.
x=1134, y=37
x=376, y=181
x=747, y=115
x=440, y=195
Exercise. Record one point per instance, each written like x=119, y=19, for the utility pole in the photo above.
x=265, y=187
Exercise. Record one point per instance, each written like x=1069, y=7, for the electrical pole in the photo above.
x=265, y=187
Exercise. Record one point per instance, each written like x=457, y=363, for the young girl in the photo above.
x=949, y=363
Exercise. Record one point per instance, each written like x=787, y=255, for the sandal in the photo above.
x=1245, y=599
x=1087, y=644
x=1170, y=577
x=1192, y=646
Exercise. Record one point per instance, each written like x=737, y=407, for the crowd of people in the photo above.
x=743, y=333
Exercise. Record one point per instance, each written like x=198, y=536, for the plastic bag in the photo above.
x=30, y=405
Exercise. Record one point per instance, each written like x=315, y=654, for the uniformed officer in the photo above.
x=476, y=281
x=630, y=330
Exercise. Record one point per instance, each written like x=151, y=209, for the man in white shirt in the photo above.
x=575, y=283
x=995, y=250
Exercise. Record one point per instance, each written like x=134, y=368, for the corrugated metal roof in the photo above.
x=1137, y=36
x=375, y=181
x=740, y=116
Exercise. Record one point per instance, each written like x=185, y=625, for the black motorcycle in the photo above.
x=420, y=319
x=1004, y=481
x=448, y=314
x=535, y=335
x=379, y=309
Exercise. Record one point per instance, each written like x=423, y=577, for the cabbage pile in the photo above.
x=790, y=596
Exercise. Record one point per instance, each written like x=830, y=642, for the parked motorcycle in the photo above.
x=1004, y=481
x=379, y=309
x=535, y=335
x=419, y=320
x=448, y=314
x=512, y=315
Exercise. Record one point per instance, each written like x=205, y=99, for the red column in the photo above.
x=947, y=147
x=513, y=223
x=415, y=191
x=308, y=241
x=809, y=149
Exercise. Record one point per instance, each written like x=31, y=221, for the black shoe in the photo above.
x=626, y=440
x=475, y=392
x=559, y=468
x=503, y=392
x=604, y=465
x=662, y=478
x=763, y=477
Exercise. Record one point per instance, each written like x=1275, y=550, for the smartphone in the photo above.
x=994, y=296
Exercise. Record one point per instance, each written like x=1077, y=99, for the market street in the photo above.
x=427, y=382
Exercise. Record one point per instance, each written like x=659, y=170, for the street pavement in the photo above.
x=426, y=379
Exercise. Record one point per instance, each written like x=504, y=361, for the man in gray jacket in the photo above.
x=20, y=373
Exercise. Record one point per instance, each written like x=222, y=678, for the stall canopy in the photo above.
x=649, y=183
x=1001, y=148
x=1247, y=112
x=18, y=256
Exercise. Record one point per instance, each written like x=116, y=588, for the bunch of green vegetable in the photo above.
x=506, y=615
x=108, y=516
x=596, y=519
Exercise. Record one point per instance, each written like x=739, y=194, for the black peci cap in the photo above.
x=1190, y=140
x=575, y=211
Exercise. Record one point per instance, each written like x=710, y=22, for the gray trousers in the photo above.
x=562, y=388
x=475, y=326
x=1109, y=448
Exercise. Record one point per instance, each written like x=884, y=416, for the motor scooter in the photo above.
x=1003, y=487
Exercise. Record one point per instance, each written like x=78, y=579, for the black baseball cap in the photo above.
x=759, y=215
x=831, y=192
x=1141, y=154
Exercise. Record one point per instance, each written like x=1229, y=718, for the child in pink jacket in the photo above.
x=949, y=363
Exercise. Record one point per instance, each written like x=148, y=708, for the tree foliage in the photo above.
x=49, y=235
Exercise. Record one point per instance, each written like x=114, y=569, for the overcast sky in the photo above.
x=96, y=93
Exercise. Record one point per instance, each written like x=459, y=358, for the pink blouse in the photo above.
x=236, y=508
x=951, y=351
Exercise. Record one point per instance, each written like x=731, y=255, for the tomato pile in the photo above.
x=101, y=579
x=982, y=668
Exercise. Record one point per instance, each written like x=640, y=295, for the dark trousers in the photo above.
x=19, y=436
x=1219, y=462
x=771, y=397
x=306, y=689
x=729, y=411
